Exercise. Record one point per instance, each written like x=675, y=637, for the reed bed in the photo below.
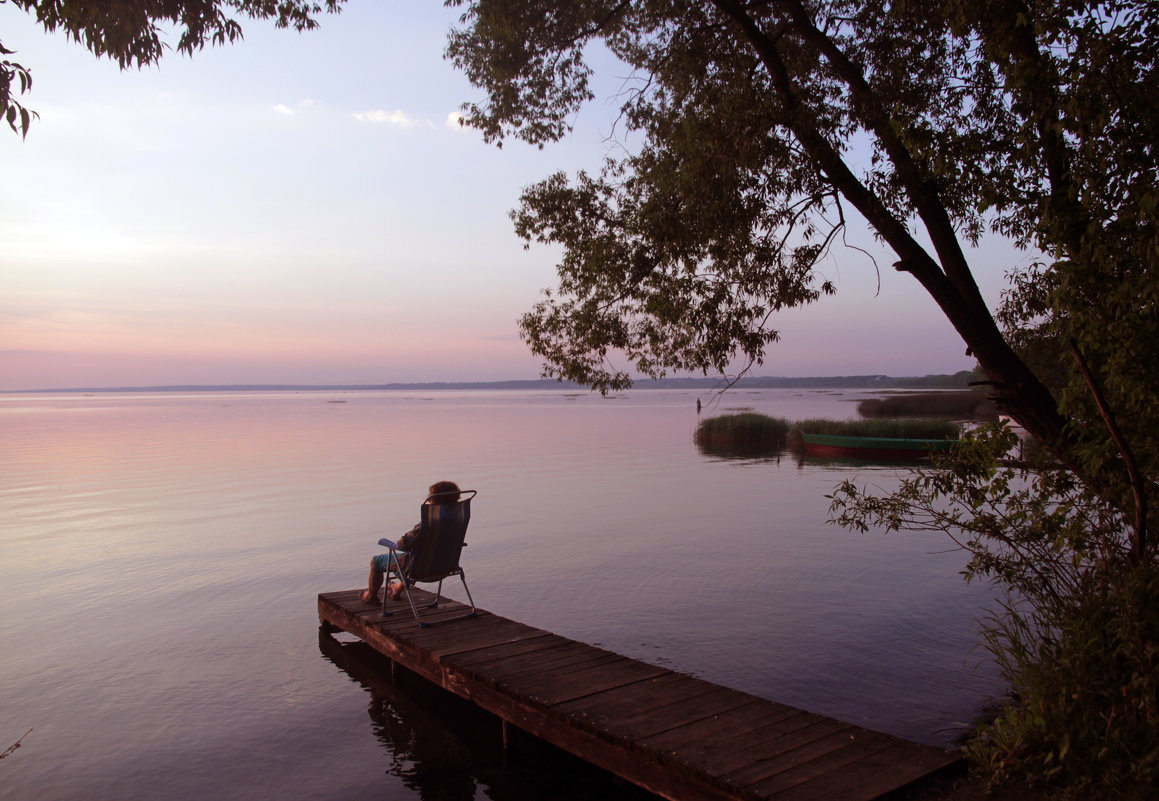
x=741, y=434
x=958, y=405
x=901, y=428
x=749, y=434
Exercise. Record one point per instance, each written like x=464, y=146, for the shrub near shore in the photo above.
x=741, y=434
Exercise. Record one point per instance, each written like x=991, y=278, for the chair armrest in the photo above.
x=388, y=544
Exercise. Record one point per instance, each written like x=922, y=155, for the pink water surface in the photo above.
x=161, y=554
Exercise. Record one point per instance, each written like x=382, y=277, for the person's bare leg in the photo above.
x=373, y=583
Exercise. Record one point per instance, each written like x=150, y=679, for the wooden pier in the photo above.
x=677, y=736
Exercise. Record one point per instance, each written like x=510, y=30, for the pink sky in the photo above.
x=303, y=209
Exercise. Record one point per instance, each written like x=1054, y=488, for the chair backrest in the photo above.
x=440, y=540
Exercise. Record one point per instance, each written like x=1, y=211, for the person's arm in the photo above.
x=407, y=541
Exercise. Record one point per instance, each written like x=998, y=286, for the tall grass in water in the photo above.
x=751, y=434
x=742, y=434
x=930, y=404
x=903, y=428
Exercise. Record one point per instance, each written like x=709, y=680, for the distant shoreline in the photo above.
x=945, y=381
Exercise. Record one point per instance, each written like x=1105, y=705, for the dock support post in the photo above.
x=505, y=750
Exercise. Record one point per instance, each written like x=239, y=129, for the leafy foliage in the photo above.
x=1037, y=532
x=1086, y=678
x=1029, y=119
x=16, y=115
x=129, y=32
x=762, y=127
x=1077, y=638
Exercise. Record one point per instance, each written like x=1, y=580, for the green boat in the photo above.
x=873, y=447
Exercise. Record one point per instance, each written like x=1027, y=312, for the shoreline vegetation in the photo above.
x=905, y=416
x=752, y=433
x=970, y=404
x=959, y=380
x=889, y=428
x=742, y=434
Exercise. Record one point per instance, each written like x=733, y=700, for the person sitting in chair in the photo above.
x=440, y=492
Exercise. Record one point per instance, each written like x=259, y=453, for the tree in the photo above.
x=1030, y=120
x=130, y=33
x=759, y=126
x=1076, y=636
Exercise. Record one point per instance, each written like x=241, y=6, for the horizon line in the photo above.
x=852, y=381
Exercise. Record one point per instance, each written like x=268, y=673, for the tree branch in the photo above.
x=1138, y=487
x=1019, y=391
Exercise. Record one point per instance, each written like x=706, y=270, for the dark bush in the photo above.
x=1085, y=676
x=745, y=434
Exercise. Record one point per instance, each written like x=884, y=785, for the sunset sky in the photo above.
x=304, y=209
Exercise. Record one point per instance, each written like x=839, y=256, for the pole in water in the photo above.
x=698, y=405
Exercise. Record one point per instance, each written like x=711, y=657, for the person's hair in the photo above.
x=444, y=492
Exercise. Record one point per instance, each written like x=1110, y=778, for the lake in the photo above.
x=161, y=555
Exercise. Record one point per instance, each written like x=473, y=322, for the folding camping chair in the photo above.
x=436, y=553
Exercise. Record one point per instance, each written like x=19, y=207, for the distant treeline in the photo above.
x=959, y=380
x=946, y=381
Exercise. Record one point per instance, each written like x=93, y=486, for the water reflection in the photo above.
x=763, y=452
x=225, y=504
x=446, y=749
x=741, y=450
x=802, y=459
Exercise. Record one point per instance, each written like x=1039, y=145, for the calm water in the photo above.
x=161, y=554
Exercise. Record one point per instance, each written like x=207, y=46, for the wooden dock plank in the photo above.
x=560, y=656
x=743, y=724
x=538, y=679
x=477, y=658
x=733, y=750
x=873, y=774
x=679, y=737
x=620, y=705
x=596, y=677
x=820, y=760
x=750, y=766
x=678, y=714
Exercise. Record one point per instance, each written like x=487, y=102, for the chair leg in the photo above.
x=438, y=597
x=414, y=609
x=463, y=578
x=395, y=569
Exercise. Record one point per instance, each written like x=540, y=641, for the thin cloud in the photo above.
x=302, y=105
x=454, y=120
x=382, y=117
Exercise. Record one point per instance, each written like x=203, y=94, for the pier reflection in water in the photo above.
x=443, y=747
